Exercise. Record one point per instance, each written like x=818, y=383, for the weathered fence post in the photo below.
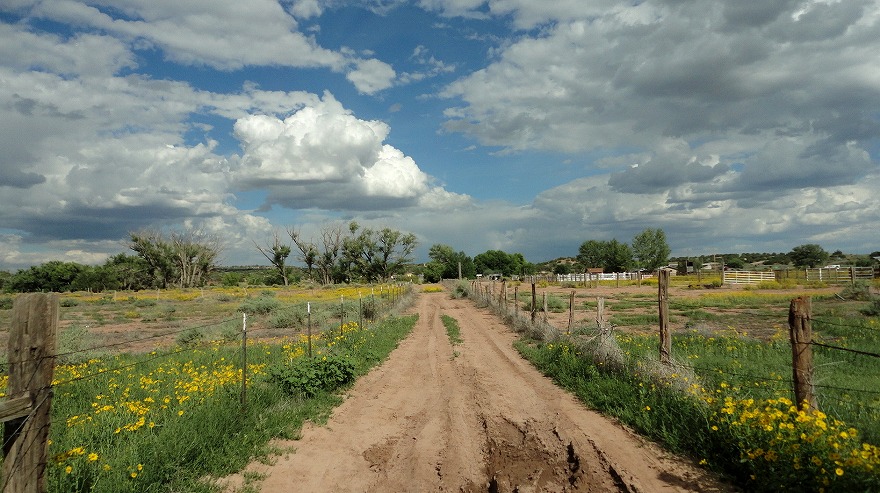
x=663, y=299
x=801, y=335
x=244, y=359
x=600, y=312
x=309, y=324
x=516, y=301
x=31, y=367
x=571, y=311
x=544, y=305
x=534, y=302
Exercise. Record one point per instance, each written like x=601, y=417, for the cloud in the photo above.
x=323, y=156
x=371, y=76
x=791, y=95
x=215, y=33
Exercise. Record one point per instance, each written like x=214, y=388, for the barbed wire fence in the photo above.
x=25, y=412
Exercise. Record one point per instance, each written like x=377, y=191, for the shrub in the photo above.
x=370, y=309
x=191, y=337
x=259, y=306
x=860, y=291
x=872, y=310
x=6, y=303
x=143, y=303
x=308, y=377
x=66, y=302
x=294, y=317
x=462, y=290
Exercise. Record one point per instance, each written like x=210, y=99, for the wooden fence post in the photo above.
x=571, y=311
x=663, y=298
x=244, y=359
x=516, y=301
x=801, y=335
x=600, y=312
x=534, y=302
x=31, y=367
x=544, y=305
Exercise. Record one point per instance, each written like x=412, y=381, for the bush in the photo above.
x=259, y=306
x=872, y=310
x=295, y=317
x=6, y=303
x=191, y=337
x=308, y=377
x=66, y=302
x=860, y=291
x=462, y=290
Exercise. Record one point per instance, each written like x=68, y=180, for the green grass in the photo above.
x=453, y=331
x=726, y=419
x=145, y=423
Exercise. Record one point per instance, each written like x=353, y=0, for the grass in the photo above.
x=149, y=422
x=452, y=329
x=727, y=400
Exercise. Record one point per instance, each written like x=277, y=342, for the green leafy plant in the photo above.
x=308, y=377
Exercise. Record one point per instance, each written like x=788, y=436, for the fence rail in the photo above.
x=747, y=276
x=840, y=275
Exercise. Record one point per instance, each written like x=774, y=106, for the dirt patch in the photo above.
x=476, y=418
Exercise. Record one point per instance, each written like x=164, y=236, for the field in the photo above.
x=145, y=378
x=144, y=381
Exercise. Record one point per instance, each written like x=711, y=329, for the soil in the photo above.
x=473, y=417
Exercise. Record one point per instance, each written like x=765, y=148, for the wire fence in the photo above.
x=18, y=467
x=833, y=386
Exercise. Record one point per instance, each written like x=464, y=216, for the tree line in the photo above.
x=347, y=253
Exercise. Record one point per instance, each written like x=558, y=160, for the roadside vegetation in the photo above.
x=141, y=421
x=726, y=400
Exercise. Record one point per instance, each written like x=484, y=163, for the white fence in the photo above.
x=841, y=275
x=605, y=276
x=747, y=276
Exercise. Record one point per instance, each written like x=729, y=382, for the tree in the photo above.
x=55, y=276
x=152, y=247
x=376, y=255
x=650, y=249
x=591, y=254
x=323, y=258
x=445, y=263
x=185, y=258
x=276, y=253
x=130, y=272
x=618, y=257
x=194, y=254
x=809, y=255
x=611, y=256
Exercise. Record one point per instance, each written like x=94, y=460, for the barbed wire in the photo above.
x=848, y=350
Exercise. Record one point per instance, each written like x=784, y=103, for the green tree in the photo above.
x=276, y=253
x=448, y=261
x=809, y=255
x=618, y=257
x=185, y=258
x=650, y=249
x=376, y=255
x=130, y=271
x=591, y=254
x=55, y=276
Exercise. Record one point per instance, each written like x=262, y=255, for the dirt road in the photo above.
x=473, y=417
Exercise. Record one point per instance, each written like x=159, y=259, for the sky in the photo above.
x=515, y=125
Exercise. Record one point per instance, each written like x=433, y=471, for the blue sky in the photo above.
x=517, y=125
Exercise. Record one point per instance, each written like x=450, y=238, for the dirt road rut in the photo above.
x=475, y=417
